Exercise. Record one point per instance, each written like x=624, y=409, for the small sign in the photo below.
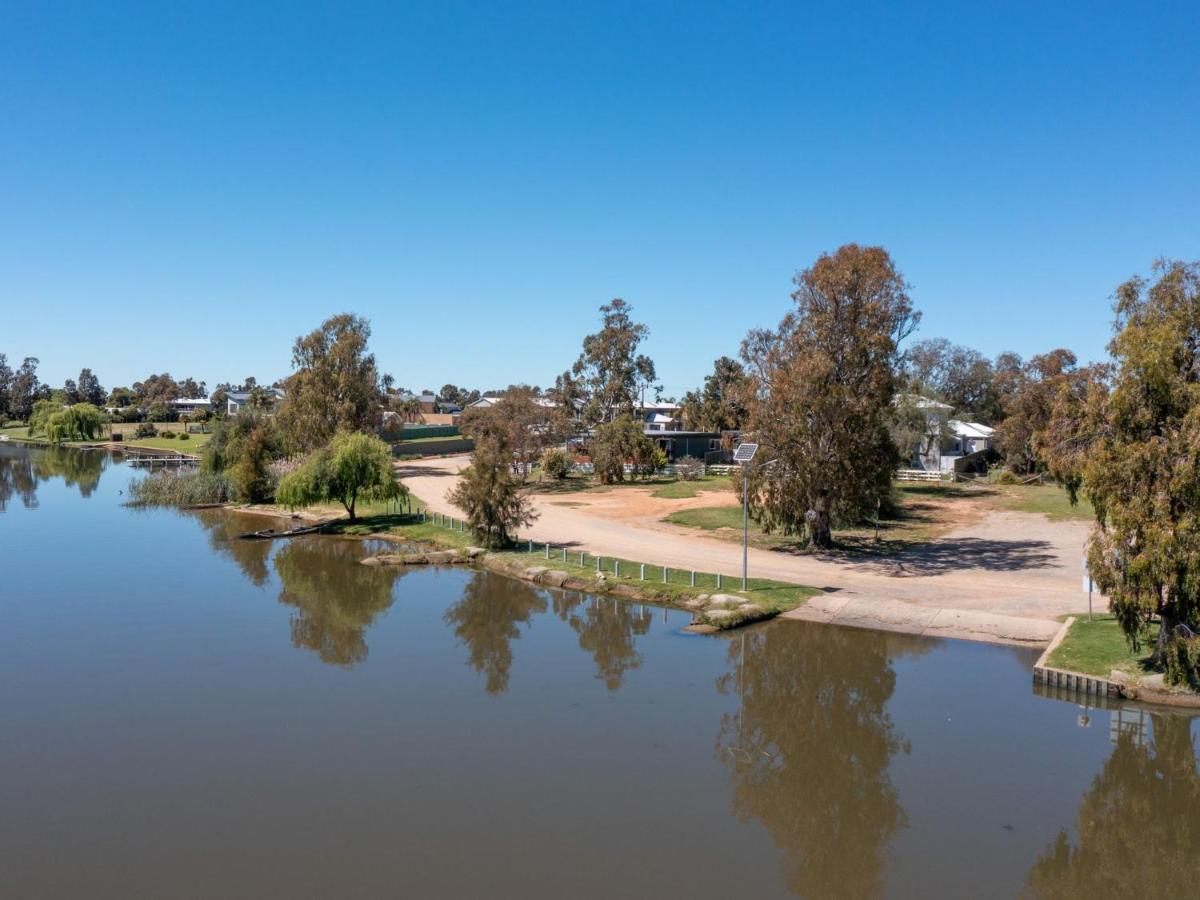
x=744, y=453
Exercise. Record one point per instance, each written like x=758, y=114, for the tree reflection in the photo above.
x=22, y=469
x=1138, y=826
x=606, y=628
x=17, y=477
x=809, y=748
x=252, y=557
x=487, y=618
x=78, y=468
x=336, y=599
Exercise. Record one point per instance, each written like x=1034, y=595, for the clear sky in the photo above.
x=187, y=187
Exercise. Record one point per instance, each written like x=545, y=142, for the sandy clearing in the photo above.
x=991, y=567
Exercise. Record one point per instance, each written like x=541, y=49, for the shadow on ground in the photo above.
x=958, y=554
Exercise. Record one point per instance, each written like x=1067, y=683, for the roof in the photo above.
x=189, y=401
x=243, y=396
x=970, y=429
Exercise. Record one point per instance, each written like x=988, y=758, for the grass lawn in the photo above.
x=193, y=444
x=1098, y=647
x=1048, y=499
x=679, y=490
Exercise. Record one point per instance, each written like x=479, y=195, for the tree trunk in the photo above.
x=820, y=531
x=1165, y=631
x=350, y=506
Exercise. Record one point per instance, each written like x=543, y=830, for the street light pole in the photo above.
x=745, y=522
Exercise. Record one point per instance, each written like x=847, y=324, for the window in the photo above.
x=712, y=443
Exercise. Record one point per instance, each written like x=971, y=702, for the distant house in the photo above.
x=946, y=440
x=235, y=400
x=702, y=445
x=661, y=417
x=186, y=406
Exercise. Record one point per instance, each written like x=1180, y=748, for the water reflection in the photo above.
x=487, y=619
x=809, y=748
x=336, y=600
x=606, y=628
x=22, y=469
x=252, y=557
x=1138, y=827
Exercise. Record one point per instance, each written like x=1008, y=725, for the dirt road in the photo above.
x=1004, y=577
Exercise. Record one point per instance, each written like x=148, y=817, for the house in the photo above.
x=185, y=406
x=661, y=416
x=701, y=445
x=945, y=440
x=235, y=400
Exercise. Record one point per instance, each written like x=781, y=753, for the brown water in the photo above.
x=188, y=715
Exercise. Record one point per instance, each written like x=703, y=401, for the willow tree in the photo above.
x=821, y=389
x=1135, y=451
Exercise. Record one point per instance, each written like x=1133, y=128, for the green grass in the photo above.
x=1050, y=500
x=679, y=490
x=1098, y=647
x=710, y=518
x=194, y=443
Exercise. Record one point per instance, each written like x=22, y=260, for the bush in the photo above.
x=689, y=468
x=1181, y=658
x=167, y=433
x=184, y=436
x=180, y=489
x=556, y=462
x=145, y=430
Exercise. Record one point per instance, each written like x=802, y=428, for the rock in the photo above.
x=554, y=578
x=474, y=552
x=695, y=603
x=719, y=615
x=441, y=557
x=725, y=601
x=601, y=578
x=414, y=559
x=534, y=573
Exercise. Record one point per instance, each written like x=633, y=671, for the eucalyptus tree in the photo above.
x=821, y=391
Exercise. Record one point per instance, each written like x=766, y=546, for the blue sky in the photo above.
x=187, y=187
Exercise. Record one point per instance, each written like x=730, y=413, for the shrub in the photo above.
x=689, y=468
x=1181, y=659
x=556, y=462
x=180, y=489
x=184, y=436
x=167, y=433
x=145, y=430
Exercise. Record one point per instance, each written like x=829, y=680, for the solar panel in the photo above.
x=745, y=452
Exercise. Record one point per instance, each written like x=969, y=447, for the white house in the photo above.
x=187, y=405
x=235, y=400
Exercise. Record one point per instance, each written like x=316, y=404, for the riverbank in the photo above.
x=1093, y=657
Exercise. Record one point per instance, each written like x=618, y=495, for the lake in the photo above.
x=190, y=715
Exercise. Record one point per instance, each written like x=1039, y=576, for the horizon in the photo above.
x=190, y=189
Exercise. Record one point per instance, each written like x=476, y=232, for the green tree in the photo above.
x=1135, y=450
x=40, y=415
x=335, y=386
x=610, y=373
x=1029, y=403
x=355, y=466
x=488, y=493
x=26, y=389
x=6, y=380
x=721, y=404
x=821, y=390
x=90, y=389
x=619, y=442
x=959, y=376
x=557, y=463
x=243, y=447
x=121, y=397
x=80, y=422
